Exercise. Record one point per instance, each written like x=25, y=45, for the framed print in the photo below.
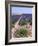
x=21, y=22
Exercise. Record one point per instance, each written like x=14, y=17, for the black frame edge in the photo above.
x=6, y=29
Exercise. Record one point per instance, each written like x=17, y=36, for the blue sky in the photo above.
x=21, y=10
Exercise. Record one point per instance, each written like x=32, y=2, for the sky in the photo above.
x=21, y=10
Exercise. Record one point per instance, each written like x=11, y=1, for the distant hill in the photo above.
x=24, y=16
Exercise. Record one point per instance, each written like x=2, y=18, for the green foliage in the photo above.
x=25, y=21
x=30, y=22
x=22, y=22
x=21, y=33
x=11, y=25
x=14, y=21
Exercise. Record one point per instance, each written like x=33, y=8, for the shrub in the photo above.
x=11, y=25
x=22, y=22
x=21, y=33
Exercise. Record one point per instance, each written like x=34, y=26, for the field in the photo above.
x=21, y=25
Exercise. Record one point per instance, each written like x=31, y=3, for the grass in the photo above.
x=25, y=22
x=21, y=33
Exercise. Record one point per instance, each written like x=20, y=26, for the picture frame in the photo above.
x=10, y=7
